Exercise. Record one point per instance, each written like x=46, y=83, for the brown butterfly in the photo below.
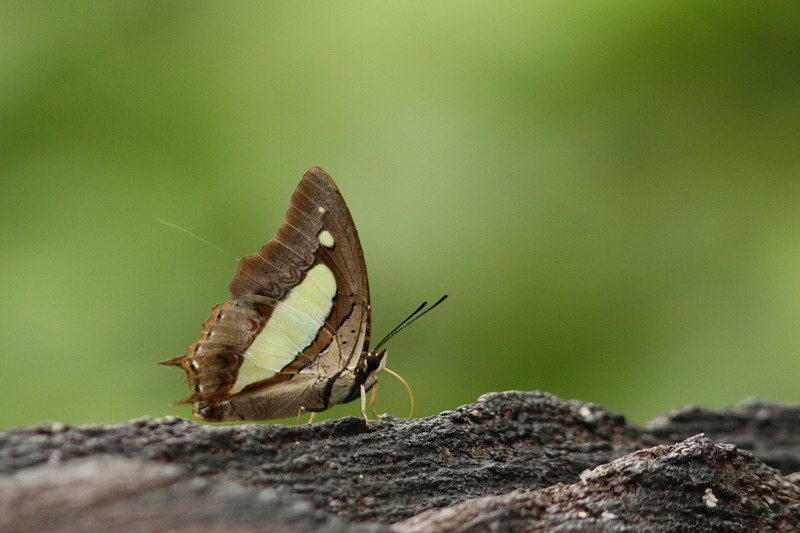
x=295, y=335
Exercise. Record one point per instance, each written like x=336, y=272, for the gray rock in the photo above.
x=696, y=485
x=514, y=459
x=115, y=494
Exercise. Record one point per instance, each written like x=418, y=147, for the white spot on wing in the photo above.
x=326, y=239
x=321, y=210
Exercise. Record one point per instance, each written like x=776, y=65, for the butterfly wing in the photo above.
x=318, y=235
x=298, y=320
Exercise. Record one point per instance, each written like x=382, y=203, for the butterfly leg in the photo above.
x=303, y=411
x=364, y=402
x=372, y=400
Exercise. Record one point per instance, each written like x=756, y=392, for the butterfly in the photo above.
x=295, y=335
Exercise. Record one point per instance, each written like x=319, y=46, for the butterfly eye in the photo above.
x=374, y=361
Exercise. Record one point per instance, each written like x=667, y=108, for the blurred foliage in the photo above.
x=608, y=191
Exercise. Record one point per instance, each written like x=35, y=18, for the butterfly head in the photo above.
x=375, y=362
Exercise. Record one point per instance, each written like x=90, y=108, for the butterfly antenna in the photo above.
x=198, y=237
x=409, y=319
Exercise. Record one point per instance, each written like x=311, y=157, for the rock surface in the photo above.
x=509, y=461
x=695, y=485
x=771, y=431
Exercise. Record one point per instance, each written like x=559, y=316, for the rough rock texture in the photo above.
x=385, y=470
x=514, y=459
x=132, y=495
x=771, y=431
x=695, y=485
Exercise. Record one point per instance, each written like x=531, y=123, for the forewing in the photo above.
x=318, y=229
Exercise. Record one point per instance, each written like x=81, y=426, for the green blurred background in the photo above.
x=608, y=191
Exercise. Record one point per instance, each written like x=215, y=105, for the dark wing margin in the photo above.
x=281, y=264
x=347, y=257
